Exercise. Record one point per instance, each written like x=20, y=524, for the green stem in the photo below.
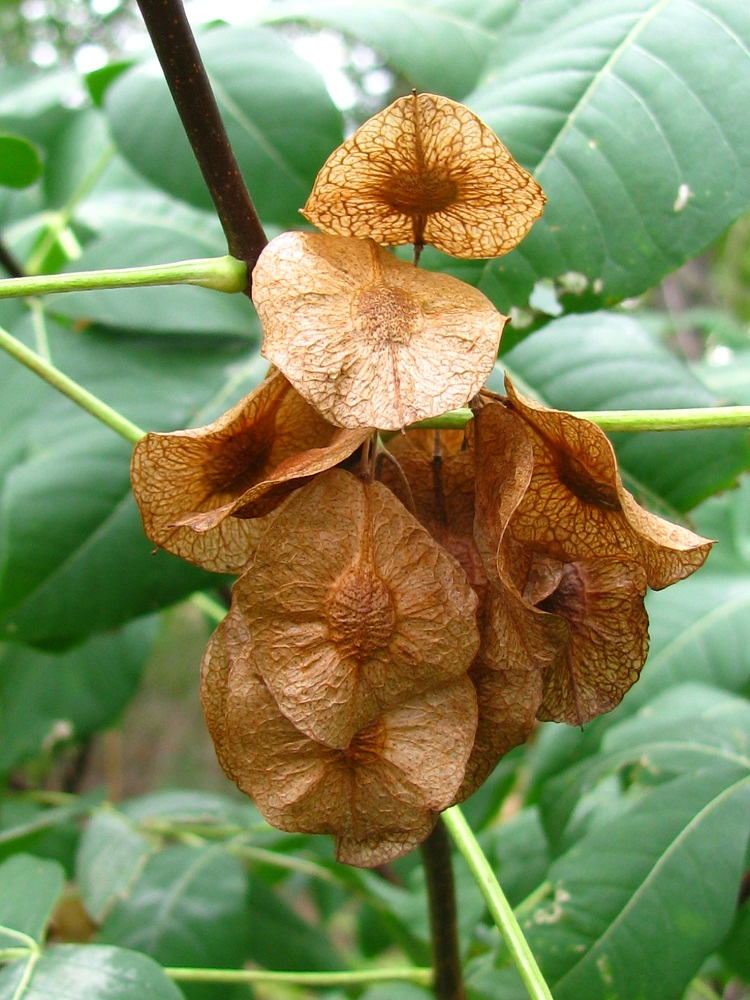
x=688, y=419
x=497, y=904
x=85, y=399
x=211, y=608
x=421, y=977
x=223, y=274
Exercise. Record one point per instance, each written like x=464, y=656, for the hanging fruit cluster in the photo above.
x=407, y=605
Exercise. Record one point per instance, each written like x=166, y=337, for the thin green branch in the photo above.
x=223, y=274
x=214, y=610
x=497, y=904
x=688, y=419
x=82, y=397
x=362, y=977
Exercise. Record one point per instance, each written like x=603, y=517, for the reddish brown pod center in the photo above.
x=413, y=194
x=360, y=612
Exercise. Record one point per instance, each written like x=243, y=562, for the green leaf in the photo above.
x=639, y=903
x=609, y=361
x=51, y=698
x=20, y=164
x=87, y=972
x=281, y=134
x=686, y=728
x=187, y=908
x=111, y=855
x=632, y=116
x=279, y=938
x=25, y=826
x=73, y=556
x=139, y=228
x=408, y=35
x=29, y=890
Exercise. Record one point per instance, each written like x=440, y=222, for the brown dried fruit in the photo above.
x=352, y=608
x=576, y=506
x=432, y=473
x=426, y=170
x=607, y=642
x=380, y=795
x=369, y=340
x=187, y=483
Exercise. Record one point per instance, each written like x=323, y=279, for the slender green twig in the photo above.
x=211, y=608
x=223, y=274
x=361, y=977
x=441, y=896
x=497, y=904
x=686, y=419
x=85, y=399
x=196, y=105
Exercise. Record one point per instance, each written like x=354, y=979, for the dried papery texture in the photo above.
x=602, y=602
x=380, y=795
x=367, y=339
x=352, y=608
x=579, y=617
x=577, y=508
x=187, y=483
x=504, y=460
x=227, y=646
x=519, y=644
x=426, y=170
x=432, y=473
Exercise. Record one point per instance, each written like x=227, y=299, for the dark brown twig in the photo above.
x=9, y=263
x=194, y=99
x=441, y=895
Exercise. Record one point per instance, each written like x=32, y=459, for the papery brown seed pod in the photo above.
x=187, y=483
x=379, y=796
x=367, y=339
x=432, y=473
x=576, y=506
x=352, y=608
x=426, y=170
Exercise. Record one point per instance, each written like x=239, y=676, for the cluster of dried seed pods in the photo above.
x=405, y=609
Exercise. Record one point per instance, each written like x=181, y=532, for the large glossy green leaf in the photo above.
x=52, y=698
x=610, y=361
x=138, y=228
x=73, y=557
x=410, y=35
x=687, y=728
x=187, y=908
x=87, y=972
x=29, y=889
x=280, y=119
x=632, y=116
x=637, y=905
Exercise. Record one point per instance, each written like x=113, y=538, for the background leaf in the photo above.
x=407, y=35
x=187, y=908
x=52, y=698
x=29, y=889
x=88, y=971
x=135, y=228
x=631, y=115
x=73, y=556
x=20, y=164
x=111, y=855
x=280, y=134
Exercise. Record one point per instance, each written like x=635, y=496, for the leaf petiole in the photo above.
x=222, y=274
x=497, y=903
